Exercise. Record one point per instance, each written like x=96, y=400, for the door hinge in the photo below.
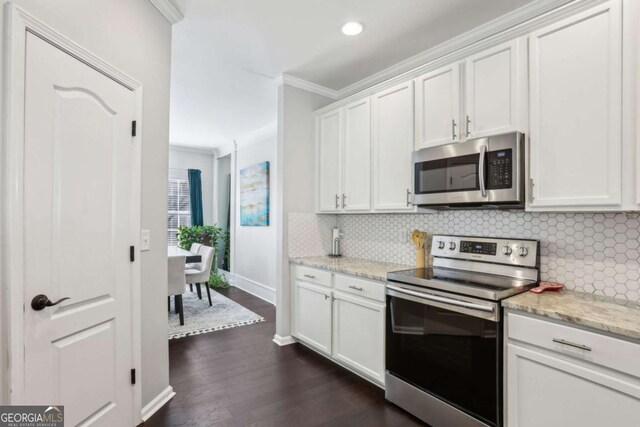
x=132, y=253
x=133, y=376
x=133, y=128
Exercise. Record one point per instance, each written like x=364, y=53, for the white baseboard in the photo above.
x=254, y=288
x=282, y=341
x=157, y=402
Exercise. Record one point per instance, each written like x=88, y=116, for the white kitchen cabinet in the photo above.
x=312, y=315
x=558, y=385
x=575, y=111
x=437, y=112
x=491, y=91
x=392, y=141
x=329, y=181
x=356, y=167
x=358, y=334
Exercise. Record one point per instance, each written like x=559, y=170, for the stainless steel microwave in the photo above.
x=484, y=172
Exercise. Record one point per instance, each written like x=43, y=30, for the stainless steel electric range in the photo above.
x=444, y=329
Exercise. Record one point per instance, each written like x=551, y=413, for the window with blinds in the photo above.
x=179, y=204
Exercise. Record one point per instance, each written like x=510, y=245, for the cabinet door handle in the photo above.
x=453, y=129
x=572, y=344
x=309, y=276
x=326, y=297
x=355, y=287
x=408, y=198
x=337, y=202
x=344, y=200
x=468, y=123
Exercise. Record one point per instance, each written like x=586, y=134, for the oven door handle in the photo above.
x=443, y=300
x=481, y=163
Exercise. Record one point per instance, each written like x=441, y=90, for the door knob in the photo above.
x=40, y=302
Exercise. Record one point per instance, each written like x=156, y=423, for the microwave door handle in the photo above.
x=481, y=163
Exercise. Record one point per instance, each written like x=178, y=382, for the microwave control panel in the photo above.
x=500, y=165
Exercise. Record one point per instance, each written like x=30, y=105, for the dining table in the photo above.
x=173, y=251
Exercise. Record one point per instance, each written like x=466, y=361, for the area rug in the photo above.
x=200, y=318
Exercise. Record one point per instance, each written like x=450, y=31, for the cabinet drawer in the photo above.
x=591, y=347
x=364, y=288
x=312, y=275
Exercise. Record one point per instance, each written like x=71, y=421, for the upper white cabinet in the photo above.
x=491, y=91
x=575, y=111
x=356, y=167
x=437, y=118
x=329, y=135
x=392, y=140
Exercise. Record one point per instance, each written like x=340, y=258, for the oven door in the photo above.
x=447, y=346
x=451, y=174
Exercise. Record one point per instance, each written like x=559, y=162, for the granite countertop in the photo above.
x=594, y=311
x=374, y=270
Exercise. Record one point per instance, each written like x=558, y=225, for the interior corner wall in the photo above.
x=296, y=154
x=254, y=268
x=186, y=158
x=141, y=48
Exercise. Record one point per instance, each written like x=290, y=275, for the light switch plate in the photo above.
x=145, y=240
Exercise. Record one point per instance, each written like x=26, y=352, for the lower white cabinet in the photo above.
x=552, y=382
x=343, y=319
x=313, y=315
x=358, y=334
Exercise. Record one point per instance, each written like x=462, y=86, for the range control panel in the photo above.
x=495, y=250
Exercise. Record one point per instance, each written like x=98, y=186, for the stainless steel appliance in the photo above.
x=485, y=172
x=444, y=329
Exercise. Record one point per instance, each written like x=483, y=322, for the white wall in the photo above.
x=254, y=257
x=223, y=170
x=134, y=37
x=191, y=158
x=296, y=156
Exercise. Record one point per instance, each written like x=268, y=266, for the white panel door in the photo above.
x=392, y=141
x=358, y=334
x=438, y=107
x=575, y=137
x=313, y=315
x=491, y=100
x=78, y=219
x=357, y=156
x=329, y=127
x=550, y=391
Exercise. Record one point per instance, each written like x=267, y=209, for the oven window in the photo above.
x=454, y=356
x=447, y=175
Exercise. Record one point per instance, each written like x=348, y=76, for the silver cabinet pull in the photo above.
x=309, y=276
x=326, y=297
x=355, y=287
x=572, y=344
x=483, y=152
x=337, y=202
x=453, y=129
x=468, y=123
x=408, y=198
x=344, y=200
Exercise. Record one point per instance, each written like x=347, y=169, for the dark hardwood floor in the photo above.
x=239, y=377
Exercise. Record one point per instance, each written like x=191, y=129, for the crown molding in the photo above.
x=489, y=29
x=169, y=10
x=286, y=79
x=209, y=151
x=451, y=51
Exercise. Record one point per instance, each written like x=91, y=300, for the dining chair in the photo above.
x=201, y=275
x=176, y=284
x=195, y=247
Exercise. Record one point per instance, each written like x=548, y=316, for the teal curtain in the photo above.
x=195, y=193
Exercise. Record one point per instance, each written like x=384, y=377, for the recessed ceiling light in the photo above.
x=352, y=28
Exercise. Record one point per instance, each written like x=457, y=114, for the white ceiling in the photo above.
x=226, y=53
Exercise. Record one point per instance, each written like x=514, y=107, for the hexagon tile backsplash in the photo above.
x=589, y=252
